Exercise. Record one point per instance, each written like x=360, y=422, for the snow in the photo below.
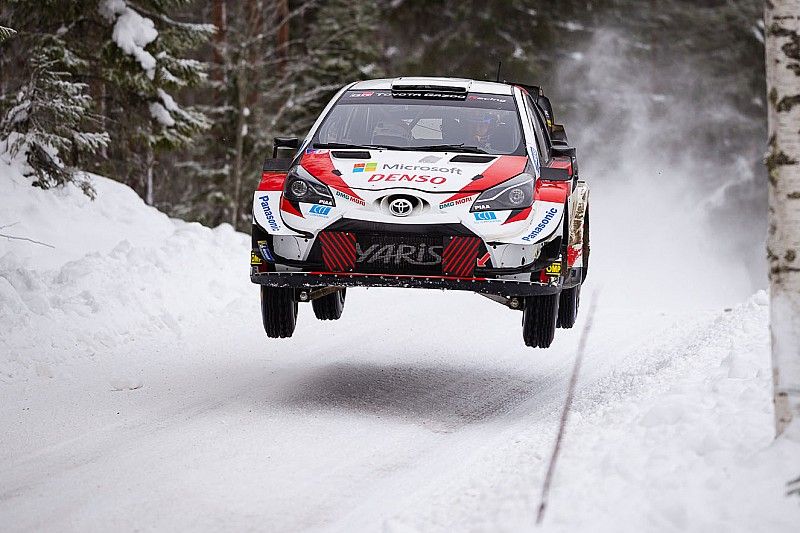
x=132, y=32
x=138, y=391
x=160, y=113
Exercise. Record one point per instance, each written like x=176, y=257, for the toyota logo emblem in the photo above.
x=401, y=207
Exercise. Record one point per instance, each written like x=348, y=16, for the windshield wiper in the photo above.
x=345, y=146
x=451, y=148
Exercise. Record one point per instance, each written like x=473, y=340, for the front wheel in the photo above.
x=539, y=320
x=330, y=306
x=278, y=311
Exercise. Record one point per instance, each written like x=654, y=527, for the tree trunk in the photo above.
x=241, y=124
x=150, y=162
x=782, y=18
x=282, y=34
x=219, y=17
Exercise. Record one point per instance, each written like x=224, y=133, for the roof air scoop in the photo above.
x=434, y=88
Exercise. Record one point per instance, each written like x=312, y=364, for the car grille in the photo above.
x=399, y=253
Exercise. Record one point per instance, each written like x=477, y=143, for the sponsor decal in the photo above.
x=451, y=203
x=254, y=259
x=365, y=167
x=361, y=94
x=317, y=151
x=411, y=254
x=485, y=216
x=488, y=99
x=535, y=156
x=319, y=210
x=273, y=224
x=549, y=215
x=353, y=199
x=420, y=94
x=265, y=253
x=554, y=269
x=420, y=168
x=415, y=178
x=430, y=159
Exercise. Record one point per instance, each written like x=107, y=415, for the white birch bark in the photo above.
x=782, y=18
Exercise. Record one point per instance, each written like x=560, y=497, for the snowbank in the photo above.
x=118, y=269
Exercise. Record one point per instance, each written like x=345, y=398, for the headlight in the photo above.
x=300, y=186
x=515, y=193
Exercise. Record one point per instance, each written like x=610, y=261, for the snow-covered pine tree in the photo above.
x=782, y=33
x=5, y=33
x=144, y=63
x=50, y=120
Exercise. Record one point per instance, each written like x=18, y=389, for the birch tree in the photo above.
x=782, y=21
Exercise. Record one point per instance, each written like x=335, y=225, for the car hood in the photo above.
x=440, y=172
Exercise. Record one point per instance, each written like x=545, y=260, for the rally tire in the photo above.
x=278, y=311
x=568, y=307
x=330, y=306
x=539, y=320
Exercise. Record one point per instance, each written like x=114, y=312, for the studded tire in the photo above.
x=568, y=307
x=278, y=311
x=330, y=306
x=539, y=320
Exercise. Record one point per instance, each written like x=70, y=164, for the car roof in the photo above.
x=477, y=86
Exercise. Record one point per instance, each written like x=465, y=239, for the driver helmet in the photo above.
x=480, y=123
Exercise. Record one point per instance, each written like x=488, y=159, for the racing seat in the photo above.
x=453, y=132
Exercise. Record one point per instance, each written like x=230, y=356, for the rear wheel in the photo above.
x=568, y=306
x=330, y=306
x=539, y=320
x=278, y=311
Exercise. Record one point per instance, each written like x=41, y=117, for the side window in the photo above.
x=537, y=128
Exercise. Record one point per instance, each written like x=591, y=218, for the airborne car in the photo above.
x=425, y=183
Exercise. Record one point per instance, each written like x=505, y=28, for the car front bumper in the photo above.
x=311, y=280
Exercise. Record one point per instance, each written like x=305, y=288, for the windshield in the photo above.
x=484, y=123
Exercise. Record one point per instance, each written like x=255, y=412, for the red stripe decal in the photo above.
x=338, y=250
x=287, y=206
x=272, y=181
x=321, y=167
x=458, y=257
x=331, y=256
x=522, y=214
x=466, y=260
x=503, y=168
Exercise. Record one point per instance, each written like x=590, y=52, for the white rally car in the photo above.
x=425, y=183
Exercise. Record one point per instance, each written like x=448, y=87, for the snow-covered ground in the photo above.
x=138, y=392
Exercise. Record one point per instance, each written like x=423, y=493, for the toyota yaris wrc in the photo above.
x=425, y=183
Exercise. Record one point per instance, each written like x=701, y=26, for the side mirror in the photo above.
x=284, y=142
x=559, y=150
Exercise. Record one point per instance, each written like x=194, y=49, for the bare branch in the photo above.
x=27, y=239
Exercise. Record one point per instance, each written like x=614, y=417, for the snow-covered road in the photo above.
x=140, y=393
